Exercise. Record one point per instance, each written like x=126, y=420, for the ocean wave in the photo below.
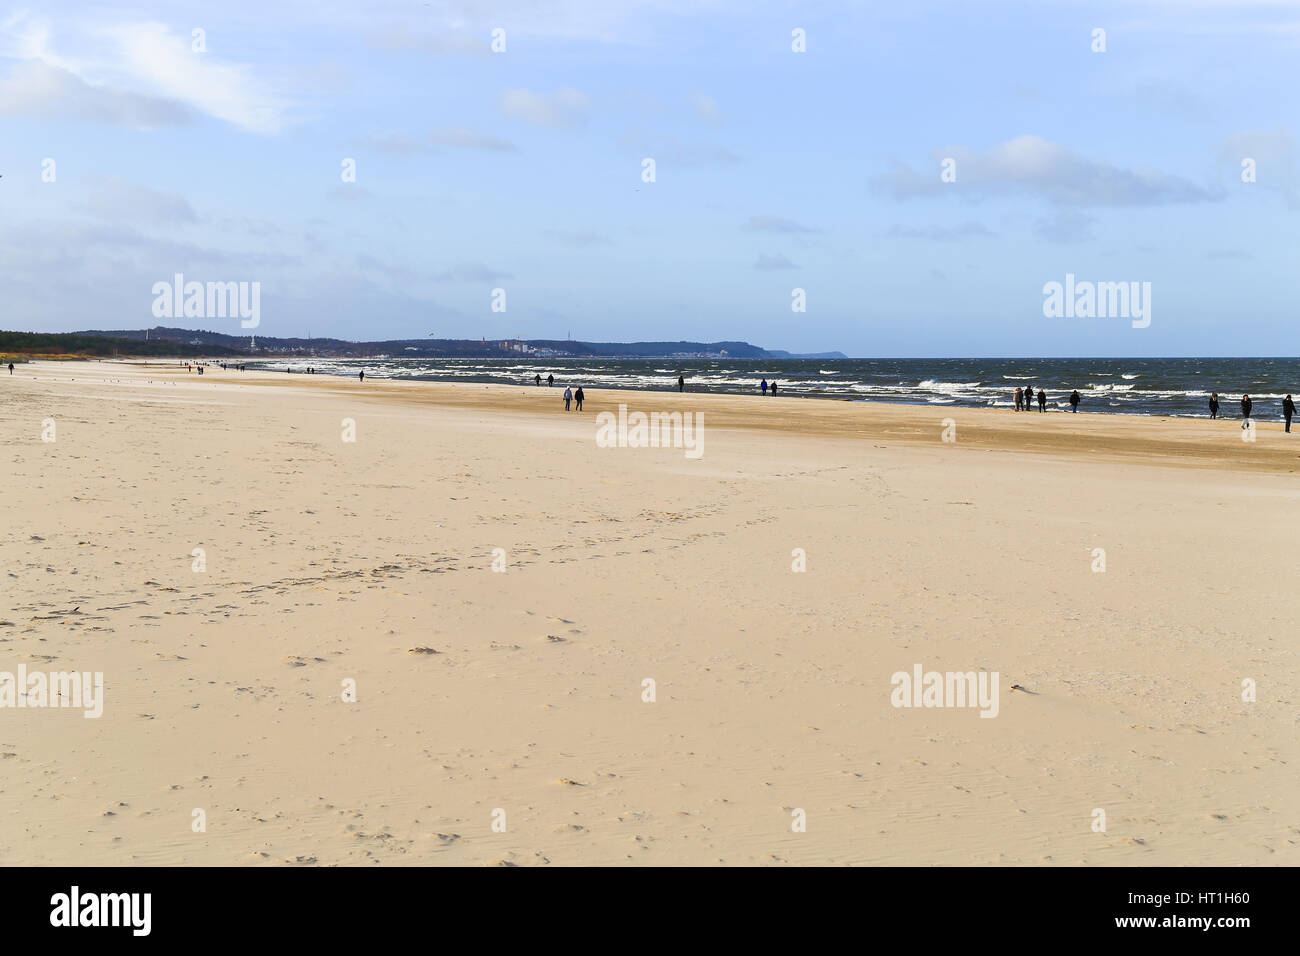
x=1172, y=387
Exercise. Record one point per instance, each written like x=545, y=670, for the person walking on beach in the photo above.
x=11, y=371
x=1020, y=402
x=1042, y=400
x=1074, y=401
x=681, y=383
x=1029, y=399
x=537, y=379
x=578, y=397
x=774, y=387
x=763, y=386
x=1214, y=404
x=1288, y=409
x=568, y=397
x=550, y=381
x=1245, y=411
x=361, y=376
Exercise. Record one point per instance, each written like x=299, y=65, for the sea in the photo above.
x=1147, y=386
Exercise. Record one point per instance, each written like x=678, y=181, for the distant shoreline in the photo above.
x=1189, y=441
x=1147, y=388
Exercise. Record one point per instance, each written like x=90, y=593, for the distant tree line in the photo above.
x=16, y=344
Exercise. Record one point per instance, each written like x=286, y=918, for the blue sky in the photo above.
x=775, y=170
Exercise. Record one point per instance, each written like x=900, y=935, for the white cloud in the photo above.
x=152, y=54
x=1031, y=164
x=114, y=198
x=564, y=108
x=36, y=88
x=138, y=74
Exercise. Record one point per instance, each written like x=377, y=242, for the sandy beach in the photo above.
x=516, y=697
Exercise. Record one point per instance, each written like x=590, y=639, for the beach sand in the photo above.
x=520, y=691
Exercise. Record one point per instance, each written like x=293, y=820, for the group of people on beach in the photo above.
x=571, y=396
x=1288, y=409
x=1025, y=400
x=198, y=366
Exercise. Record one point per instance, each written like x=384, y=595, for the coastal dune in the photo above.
x=234, y=566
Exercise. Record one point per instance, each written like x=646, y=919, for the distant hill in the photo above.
x=98, y=344
x=778, y=353
x=171, y=341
